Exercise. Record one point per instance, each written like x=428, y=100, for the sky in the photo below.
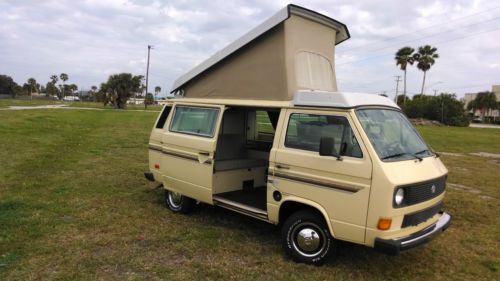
x=92, y=39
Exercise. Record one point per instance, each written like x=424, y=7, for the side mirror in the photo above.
x=326, y=147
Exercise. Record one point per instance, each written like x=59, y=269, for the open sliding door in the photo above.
x=189, y=147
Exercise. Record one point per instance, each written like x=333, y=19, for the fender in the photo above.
x=312, y=204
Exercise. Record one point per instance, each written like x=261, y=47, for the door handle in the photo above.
x=279, y=166
x=204, y=153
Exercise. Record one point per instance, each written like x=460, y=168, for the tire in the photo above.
x=306, y=239
x=178, y=203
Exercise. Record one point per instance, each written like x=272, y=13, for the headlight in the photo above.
x=399, y=197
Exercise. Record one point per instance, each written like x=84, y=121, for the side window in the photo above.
x=194, y=120
x=305, y=131
x=313, y=71
x=163, y=117
x=264, y=125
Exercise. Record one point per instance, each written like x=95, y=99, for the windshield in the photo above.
x=392, y=135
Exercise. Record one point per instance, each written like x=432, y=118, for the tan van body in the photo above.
x=260, y=129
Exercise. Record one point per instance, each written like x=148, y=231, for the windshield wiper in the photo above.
x=422, y=151
x=427, y=150
x=402, y=154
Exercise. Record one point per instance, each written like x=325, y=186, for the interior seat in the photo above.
x=231, y=154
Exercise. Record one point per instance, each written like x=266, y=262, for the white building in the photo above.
x=135, y=101
x=71, y=98
x=489, y=113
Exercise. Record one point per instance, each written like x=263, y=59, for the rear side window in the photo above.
x=194, y=120
x=163, y=117
x=305, y=131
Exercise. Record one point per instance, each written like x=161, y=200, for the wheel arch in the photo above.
x=292, y=205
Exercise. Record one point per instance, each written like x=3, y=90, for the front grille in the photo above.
x=421, y=216
x=423, y=191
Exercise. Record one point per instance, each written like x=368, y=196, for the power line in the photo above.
x=418, y=30
x=428, y=36
x=433, y=43
x=466, y=87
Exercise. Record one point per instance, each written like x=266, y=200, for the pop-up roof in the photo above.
x=293, y=50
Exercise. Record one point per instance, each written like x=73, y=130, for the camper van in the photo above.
x=261, y=129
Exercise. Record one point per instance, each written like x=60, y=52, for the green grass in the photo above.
x=22, y=102
x=74, y=206
x=100, y=105
x=86, y=104
x=462, y=140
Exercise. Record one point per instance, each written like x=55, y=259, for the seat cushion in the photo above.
x=230, y=146
x=235, y=164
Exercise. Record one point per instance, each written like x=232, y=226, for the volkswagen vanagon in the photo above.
x=261, y=129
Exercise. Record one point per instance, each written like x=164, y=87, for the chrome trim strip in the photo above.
x=185, y=156
x=240, y=208
x=316, y=182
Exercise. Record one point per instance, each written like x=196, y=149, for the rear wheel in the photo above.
x=178, y=203
x=305, y=238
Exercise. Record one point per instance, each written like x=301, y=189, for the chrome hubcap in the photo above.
x=308, y=239
x=175, y=198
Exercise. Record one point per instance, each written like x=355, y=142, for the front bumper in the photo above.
x=394, y=246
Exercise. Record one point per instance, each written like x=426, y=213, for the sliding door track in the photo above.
x=240, y=208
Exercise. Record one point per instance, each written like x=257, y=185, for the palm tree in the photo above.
x=427, y=56
x=73, y=88
x=120, y=87
x=64, y=77
x=94, y=92
x=157, y=91
x=484, y=101
x=32, y=84
x=404, y=56
x=54, y=79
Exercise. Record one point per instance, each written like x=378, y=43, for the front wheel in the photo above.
x=305, y=238
x=178, y=203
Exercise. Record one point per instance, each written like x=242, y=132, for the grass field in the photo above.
x=74, y=206
x=23, y=102
x=18, y=102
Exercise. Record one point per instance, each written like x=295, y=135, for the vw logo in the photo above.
x=433, y=189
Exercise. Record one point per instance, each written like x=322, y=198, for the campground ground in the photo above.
x=75, y=206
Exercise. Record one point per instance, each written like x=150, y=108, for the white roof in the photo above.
x=339, y=99
x=273, y=21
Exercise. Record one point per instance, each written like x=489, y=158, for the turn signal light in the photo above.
x=157, y=166
x=384, y=223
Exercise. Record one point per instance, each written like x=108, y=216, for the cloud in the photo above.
x=94, y=38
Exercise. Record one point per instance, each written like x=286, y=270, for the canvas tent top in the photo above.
x=273, y=46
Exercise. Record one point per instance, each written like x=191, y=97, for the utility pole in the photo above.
x=442, y=110
x=147, y=78
x=435, y=92
x=398, y=79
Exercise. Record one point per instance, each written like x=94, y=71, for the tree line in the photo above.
x=9, y=87
x=115, y=91
x=445, y=108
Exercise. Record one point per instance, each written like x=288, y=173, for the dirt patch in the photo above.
x=486, y=154
x=480, y=154
x=468, y=189
x=450, y=154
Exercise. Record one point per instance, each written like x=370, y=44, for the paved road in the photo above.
x=489, y=126
x=63, y=106
x=15, y=107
